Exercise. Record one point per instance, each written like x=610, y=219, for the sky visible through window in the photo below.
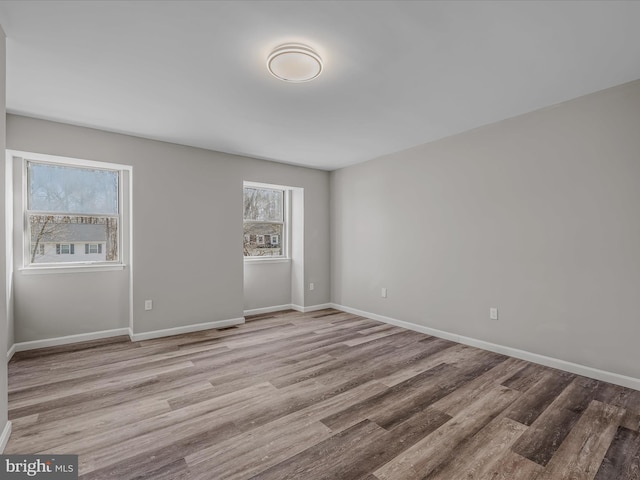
x=61, y=189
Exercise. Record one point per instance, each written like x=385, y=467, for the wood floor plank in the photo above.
x=355, y=462
x=317, y=395
x=549, y=430
x=237, y=456
x=456, y=353
x=254, y=454
x=539, y=397
x=361, y=366
x=140, y=363
x=105, y=395
x=631, y=420
x=511, y=466
x=622, y=459
x=465, y=395
x=387, y=399
x=372, y=336
x=422, y=458
x=342, y=447
x=50, y=392
x=481, y=451
x=410, y=405
x=53, y=433
x=526, y=377
x=580, y=455
x=124, y=439
x=93, y=402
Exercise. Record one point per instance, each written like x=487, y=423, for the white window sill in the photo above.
x=250, y=260
x=70, y=269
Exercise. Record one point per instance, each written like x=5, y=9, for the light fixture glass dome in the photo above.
x=294, y=63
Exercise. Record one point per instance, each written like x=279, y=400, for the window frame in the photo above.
x=286, y=223
x=124, y=214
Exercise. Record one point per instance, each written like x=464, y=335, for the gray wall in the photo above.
x=5, y=299
x=182, y=197
x=537, y=215
x=266, y=284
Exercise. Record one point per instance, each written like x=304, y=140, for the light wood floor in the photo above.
x=322, y=395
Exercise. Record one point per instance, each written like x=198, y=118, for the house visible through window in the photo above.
x=264, y=221
x=72, y=213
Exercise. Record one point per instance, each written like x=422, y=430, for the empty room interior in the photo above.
x=374, y=240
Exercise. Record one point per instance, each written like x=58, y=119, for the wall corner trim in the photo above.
x=260, y=311
x=57, y=341
x=10, y=352
x=168, y=332
x=312, y=308
x=289, y=306
x=4, y=437
x=571, y=367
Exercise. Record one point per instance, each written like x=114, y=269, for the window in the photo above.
x=75, y=208
x=264, y=221
x=92, y=248
x=65, y=249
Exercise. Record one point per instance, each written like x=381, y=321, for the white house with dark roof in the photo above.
x=71, y=242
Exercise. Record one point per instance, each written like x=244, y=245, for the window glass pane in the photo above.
x=58, y=232
x=257, y=239
x=263, y=204
x=62, y=189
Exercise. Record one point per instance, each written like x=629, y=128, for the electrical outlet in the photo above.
x=383, y=292
x=312, y=286
x=493, y=313
x=148, y=304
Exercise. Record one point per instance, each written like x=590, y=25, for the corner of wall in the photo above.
x=5, y=269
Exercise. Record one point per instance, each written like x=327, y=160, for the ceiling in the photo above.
x=397, y=74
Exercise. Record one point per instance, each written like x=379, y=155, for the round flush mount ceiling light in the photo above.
x=294, y=62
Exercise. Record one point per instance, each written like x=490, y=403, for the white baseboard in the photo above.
x=571, y=367
x=136, y=337
x=311, y=308
x=259, y=311
x=290, y=306
x=4, y=438
x=54, y=342
x=10, y=352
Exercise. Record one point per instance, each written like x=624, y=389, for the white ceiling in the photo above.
x=397, y=74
